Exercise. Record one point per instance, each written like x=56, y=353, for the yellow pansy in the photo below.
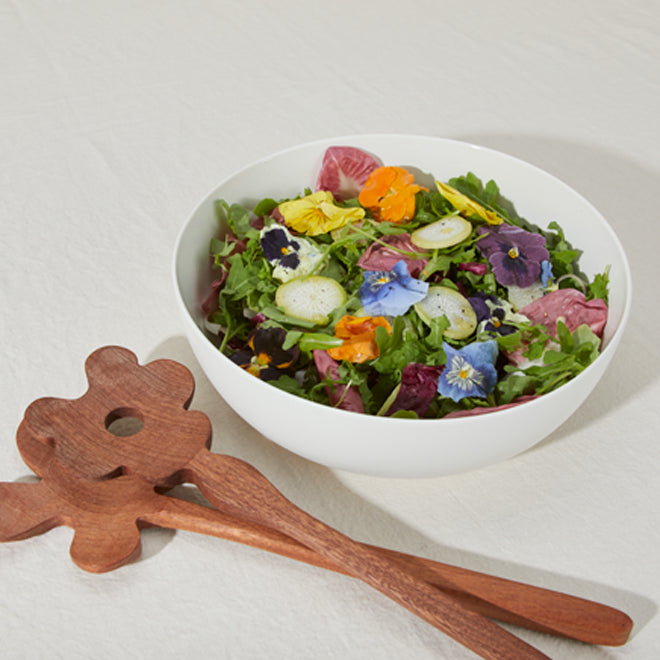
x=317, y=214
x=466, y=206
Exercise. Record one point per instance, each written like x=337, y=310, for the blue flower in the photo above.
x=546, y=273
x=470, y=371
x=391, y=293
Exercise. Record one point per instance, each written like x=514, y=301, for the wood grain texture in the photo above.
x=61, y=498
x=107, y=492
x=510, y=601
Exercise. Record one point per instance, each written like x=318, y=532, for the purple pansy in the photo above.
x=280, y=246
x=391, y=293
x=515, y=254
x=291, y=256
x=470, y=371
x=263, y=355
x=492, y=313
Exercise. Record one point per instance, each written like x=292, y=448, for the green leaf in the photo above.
x=237, y=216
x=509, y=342
x=586, y=344
x=491, y=193
x=515, y=385
x=242, y=278
x=437, y=326
x=221, y=248
x=405, y=414
x=599, y=287
x=279, y=316
x=265, y=207
x=313, y=341
x=565, y=337
x=291, y=339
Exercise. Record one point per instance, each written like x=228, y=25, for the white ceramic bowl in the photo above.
x=378, y=445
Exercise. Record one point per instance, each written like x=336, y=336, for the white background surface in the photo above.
x=116, y=117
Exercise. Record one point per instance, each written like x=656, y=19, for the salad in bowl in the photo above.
x=383, y=291
x=400, y=305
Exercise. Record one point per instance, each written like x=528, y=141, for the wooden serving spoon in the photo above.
x=128, y=503
x=172, y=448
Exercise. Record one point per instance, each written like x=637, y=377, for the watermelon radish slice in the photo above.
x=442, y=233
x=344, y=171
x=441, y=300
x=310, y=298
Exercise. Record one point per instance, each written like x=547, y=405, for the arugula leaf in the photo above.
x=241, y=278
x=265, y=207
x=575, y=352
x=599, y=287
x=278, y=315
x=237, y=216
x=221, y=249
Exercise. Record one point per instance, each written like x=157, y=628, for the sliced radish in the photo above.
x=344, y=171
x=442, y=233
x=441, y=300
x=310, y=298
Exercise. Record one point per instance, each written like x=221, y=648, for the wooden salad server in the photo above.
x=127, y=503
x=524, y=605
x=172, y=448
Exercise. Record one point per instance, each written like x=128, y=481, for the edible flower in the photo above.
x=470, y=371
x=263, y=355
x=515, y=254
x=389, y=194
x=419, y=385
x=391, y=293
x=359, y=335
x=466, y=206
x=317, y=214
x=385, y=254
x=547, y=276
x=290, y=256
x=493, y=313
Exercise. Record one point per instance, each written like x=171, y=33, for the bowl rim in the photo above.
x=606, y=352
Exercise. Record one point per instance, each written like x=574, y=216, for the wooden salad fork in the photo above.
x=91, y=474
x=27, y=509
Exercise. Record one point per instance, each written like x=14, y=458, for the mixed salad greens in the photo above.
x=375, y=294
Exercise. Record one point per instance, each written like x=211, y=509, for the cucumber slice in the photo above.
x=442, y=233
x=441, y=300
x=310, y=298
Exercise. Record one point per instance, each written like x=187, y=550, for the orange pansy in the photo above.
x=359, y=335
x=389, y=193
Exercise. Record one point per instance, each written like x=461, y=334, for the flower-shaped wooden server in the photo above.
x=108, y=486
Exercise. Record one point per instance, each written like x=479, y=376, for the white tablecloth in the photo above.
x=116, y=117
